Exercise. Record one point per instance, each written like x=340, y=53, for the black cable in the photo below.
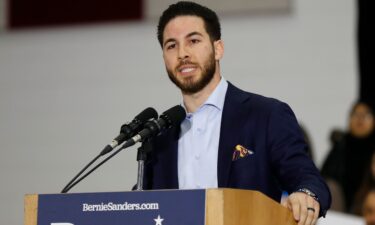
x=127, y=144
x=80, y=172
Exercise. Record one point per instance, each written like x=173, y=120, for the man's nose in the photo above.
x=183, y=53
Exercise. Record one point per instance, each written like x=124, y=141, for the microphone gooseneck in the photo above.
x=127, y=130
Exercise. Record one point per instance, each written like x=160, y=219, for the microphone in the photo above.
x=170, y=118
x=128, y=130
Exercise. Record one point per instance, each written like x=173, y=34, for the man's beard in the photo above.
x=188, y=85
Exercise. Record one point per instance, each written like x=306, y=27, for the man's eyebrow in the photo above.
x=169, y=40
x=194, y=33
x=187, y=36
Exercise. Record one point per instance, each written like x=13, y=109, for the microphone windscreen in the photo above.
x=148, y=113
x=174, y=115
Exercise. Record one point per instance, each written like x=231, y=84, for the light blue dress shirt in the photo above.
x=199, y=142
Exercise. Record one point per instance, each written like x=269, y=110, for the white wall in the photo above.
x=64, y=93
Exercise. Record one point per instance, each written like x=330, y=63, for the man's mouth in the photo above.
x=187, y=69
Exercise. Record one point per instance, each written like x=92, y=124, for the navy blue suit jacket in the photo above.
x=263, y=125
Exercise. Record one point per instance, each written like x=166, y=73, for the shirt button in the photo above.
x=196, y=157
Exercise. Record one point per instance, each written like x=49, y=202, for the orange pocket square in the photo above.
x=241, y=152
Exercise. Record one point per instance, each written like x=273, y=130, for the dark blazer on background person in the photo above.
x=264, y=126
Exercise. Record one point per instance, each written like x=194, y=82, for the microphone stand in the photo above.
x=145, y=148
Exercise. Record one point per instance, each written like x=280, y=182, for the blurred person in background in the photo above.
x=345, y=166
x=368, y=209
x=367, y=185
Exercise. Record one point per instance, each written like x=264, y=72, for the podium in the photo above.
x=158, y=207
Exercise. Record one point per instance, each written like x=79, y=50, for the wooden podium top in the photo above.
x=235, y=207
x=222, y=207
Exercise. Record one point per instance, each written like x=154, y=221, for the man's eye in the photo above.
x=171, y=46
x=195, y=41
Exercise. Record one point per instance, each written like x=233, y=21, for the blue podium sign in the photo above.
x=183, y=207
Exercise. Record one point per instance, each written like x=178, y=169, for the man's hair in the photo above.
x=185, y=8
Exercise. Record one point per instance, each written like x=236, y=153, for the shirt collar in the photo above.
x=218, y=95
x=216, y=98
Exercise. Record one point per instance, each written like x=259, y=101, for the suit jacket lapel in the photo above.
x=165, y=160
x=173, y=160
x=232, y=118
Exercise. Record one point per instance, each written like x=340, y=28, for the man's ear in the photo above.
x=219, y=49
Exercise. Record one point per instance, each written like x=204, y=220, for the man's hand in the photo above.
x=304, y=207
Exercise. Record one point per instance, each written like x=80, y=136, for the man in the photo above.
x=230, y=138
